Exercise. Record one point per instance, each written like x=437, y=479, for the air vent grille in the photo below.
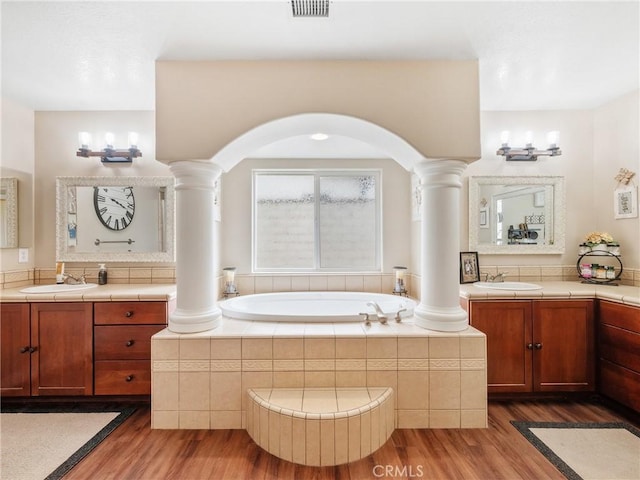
x=310, y=8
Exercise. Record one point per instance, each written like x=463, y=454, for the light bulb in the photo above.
x=84, y=139
x=504, y=137
x=528, y=138
x=133, y=139
x=553, y=138
x=108, y=139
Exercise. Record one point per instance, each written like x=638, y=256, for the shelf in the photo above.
x=600, y=281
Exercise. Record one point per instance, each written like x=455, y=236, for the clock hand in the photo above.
x=118, y=203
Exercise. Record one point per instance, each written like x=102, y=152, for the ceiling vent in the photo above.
x=310, y=8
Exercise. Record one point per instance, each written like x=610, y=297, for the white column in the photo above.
x=439, y=307
x=196, y=249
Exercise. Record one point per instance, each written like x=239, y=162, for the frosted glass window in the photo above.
x=316, y=221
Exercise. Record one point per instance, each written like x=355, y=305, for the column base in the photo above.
x=191, y=322
x=453, y=319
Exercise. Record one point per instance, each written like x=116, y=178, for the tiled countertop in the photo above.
x=557, y=290
x=101, y=293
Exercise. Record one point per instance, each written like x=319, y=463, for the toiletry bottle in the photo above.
x=60, y=272
x=102, y=275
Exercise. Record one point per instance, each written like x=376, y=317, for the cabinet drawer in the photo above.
x=132, y=377
x=126, y=313
x=620, y=384
x=124, y=342
x=623, y=316
x=620, y=346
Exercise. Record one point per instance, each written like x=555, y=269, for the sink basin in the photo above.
x=508, y=285
x=58, y=288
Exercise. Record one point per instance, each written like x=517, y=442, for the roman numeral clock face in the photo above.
x=114, y=206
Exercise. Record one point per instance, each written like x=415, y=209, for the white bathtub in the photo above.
x=314, y=306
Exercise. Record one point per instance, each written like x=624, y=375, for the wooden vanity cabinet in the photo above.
x=122, y=354
x=15, y=355
x=51, y=344
x=619, y=352
x=537, y=345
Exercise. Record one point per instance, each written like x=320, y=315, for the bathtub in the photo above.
x=314, y=306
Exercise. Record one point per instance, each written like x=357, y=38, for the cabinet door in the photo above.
x=508, y=329
x=563, y=335
x=62, y=335
x=15, y=361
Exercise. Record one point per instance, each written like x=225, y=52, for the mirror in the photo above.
x=8, y=213
x=115, y=219
x=516, y=215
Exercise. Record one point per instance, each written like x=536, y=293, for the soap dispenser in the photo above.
x=102, y=275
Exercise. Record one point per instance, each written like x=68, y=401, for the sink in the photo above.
x=508, y=285
x=58, y=288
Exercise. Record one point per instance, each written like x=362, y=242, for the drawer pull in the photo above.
x=129, y=378
x=24, y=349
x=130, y=343
x=128, y=314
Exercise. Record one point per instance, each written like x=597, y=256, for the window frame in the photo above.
x=317, y=174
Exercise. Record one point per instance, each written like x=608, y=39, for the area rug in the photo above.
x=46, y=444
x=587, y=451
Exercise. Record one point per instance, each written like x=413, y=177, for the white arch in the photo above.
x=387, y=142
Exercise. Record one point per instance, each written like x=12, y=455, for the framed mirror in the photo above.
x=516, y=215
x=115, y=219
x=8, y=212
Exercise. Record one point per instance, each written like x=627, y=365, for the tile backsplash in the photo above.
x=247, y=284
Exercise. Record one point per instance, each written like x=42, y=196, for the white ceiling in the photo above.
x=540, y=55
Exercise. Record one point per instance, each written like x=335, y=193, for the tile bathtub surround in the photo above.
x=436, y=378
x=335, y=425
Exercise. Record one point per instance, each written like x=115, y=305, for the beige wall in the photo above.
x=202, y=106
x=56, y=137
x=18, y=160
x=235, y=229
x=616, y=145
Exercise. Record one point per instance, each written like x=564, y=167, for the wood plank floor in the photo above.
x=134, y=451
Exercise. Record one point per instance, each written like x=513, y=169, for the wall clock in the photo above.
x=114, y=206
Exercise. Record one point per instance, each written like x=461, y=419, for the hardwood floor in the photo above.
x=134, y=451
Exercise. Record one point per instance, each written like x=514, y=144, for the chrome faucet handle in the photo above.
x=398, y=317
x=367, y=322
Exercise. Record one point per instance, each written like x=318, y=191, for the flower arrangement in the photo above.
x=596, y=238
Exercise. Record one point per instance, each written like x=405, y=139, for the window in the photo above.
x=316, y=220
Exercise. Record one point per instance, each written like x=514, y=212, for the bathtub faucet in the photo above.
x=382, y=318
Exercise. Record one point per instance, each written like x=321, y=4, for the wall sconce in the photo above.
x=109, y=154
x=399, y=289
x=229, y=285
x=529, y=152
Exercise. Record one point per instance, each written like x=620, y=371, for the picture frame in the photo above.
x=469, y=267
x=625, y=202
x=483, y=218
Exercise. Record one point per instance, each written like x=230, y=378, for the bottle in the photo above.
x=102, y=275
x=611, y=273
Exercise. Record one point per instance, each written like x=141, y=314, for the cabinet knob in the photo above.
x=128, y=314
x=529, y=346
x=129, y=378
x=538, y=346
x=130, y=343
x=32, y=349
x=24, y=349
